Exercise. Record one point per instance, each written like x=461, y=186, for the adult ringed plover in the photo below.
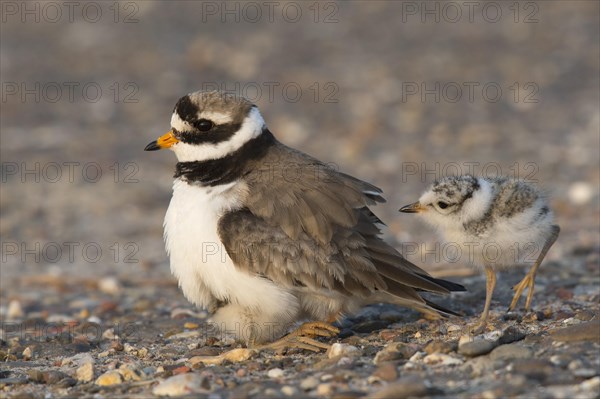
x=265, y=236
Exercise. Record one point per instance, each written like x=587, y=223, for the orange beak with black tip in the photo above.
x=413, y=208
x=164, y=141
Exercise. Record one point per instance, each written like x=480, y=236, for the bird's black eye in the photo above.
x=204, y=125
x=442, y=205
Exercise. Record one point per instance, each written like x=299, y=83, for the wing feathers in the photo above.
x=318, y=233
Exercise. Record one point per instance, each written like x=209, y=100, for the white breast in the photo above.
x=198, y=258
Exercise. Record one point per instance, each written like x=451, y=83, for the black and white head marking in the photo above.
x=213, y=125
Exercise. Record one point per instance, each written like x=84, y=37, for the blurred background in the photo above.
x=395, y=93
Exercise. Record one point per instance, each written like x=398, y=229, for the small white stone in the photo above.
x=179, y=385
x=325, y=389
x=289, y=390
x=275, y=373
x=79, y=359
x=109, y=285
x=15, y=311
x=580, y=193
x=27, y=353
x=309, y=383
x=442, y=359
x=109, y=334
x=338, y=349
x=417, y=357
x=185, y=335
x=94, y=319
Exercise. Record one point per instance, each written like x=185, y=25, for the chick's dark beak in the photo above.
x=412, y=208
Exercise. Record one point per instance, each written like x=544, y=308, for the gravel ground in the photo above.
x=87, y=304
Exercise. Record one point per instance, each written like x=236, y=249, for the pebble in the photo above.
x=408, y=387
x=585, y=331
x=580, y=369
x=132, y=373
x=139, y=352
x=338, y=349
x=288, y=390
x=440, y=347
x=181, y=313
x=109, y=285
x=309, y=383
x=79, y=359
x=185, y=335
x=35, y=375
x=181, y=370
x=85, y=373
x=53, y=377
x=536, y=369
x=181, y=384
x=109, y=334
x=325, y=389
x=511, y=334
x=109, y=378
x=560, y=360
x=395, y=351
x=386, y=372
x=585, y=315
x=581, y=192
x=234, y=355
x=511, y=351
x=241, y=372
x=27, y=353
x=15, y=310
x=275, y=373
x=476, y=347
x=442, y=359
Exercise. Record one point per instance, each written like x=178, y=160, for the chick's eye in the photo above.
x=204, y=125
x=442, y=205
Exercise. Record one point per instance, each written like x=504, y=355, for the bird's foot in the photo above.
x=303, y=338
x=527, y=282
x=478, y=328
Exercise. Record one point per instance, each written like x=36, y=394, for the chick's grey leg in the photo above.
x=529, y=279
